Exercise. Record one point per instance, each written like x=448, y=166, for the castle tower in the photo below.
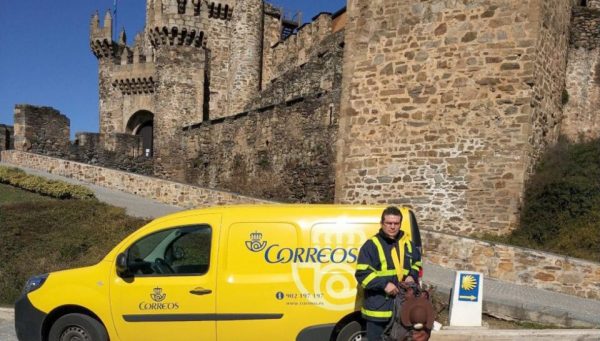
x=107, y=51
x=447, y=106
x=196, y=60
x=246, y=51
x=178, y=41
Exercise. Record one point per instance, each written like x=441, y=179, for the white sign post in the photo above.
x=467, y=299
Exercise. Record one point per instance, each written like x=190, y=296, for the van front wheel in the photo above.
x=353, y=331
x=72, y=327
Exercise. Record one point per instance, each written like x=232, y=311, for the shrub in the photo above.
x=56, y=189
x=561, y=210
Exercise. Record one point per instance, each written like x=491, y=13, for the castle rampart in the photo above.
x=582, y=96
x=41, y=130
x=285, y=154
x=287, y=151
x=6, y=137
x=298, y=48
x=246, y=51
x=271, y=37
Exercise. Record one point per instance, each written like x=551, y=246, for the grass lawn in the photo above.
x=13, y=195
x=39, y=234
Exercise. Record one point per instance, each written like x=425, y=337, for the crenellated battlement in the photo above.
x=134, y=78
x=298, y=48
x=101, y=41
x=220, y=11
x=186, y=12
x=163, y=36
x=136, y=86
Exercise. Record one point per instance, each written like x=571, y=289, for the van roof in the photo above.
x=284, y=210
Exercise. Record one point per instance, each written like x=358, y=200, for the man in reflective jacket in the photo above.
x=376, y=273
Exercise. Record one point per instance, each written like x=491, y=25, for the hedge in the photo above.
x=53, y=188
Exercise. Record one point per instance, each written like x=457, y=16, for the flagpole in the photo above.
x=115, y=26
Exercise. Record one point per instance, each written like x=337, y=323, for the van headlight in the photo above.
x=34, y=283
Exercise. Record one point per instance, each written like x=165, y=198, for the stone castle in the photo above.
x=443, y=105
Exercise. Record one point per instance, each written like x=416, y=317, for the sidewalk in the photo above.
x=511, y=301
x=135, y=206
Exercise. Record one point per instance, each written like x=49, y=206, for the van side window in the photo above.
x=172, y=252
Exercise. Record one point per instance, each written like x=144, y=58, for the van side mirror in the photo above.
x=121, y=265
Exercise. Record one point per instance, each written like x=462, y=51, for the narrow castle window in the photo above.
x=197, y=4
x=583, y=3
x=181, y=6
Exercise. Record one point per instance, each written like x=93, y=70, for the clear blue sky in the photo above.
x=45, y=58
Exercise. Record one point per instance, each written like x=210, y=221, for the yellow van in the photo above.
x=264, y=272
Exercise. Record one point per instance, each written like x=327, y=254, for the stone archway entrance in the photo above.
x=142, y=124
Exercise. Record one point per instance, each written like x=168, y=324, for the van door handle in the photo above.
x=200, y=291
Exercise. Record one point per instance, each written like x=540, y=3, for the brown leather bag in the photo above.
x=413, y=315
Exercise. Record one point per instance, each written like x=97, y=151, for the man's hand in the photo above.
x=409, y=279
x=391, y=289
x=420, y=335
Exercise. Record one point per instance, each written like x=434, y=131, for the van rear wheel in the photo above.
x=353, y=331
x=77, y=327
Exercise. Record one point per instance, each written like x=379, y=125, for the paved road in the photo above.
x=135, y=206
x=500, y=298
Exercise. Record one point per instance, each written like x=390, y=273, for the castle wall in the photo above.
x=245, y=53
x=283, y=153
x=271, y=36
x=298, y=48
x=180, y=102
x=443, y=123
x=553, y=18
x=6, y=137
x=593, y=3
x=41, y=130
x=168, y=192
x=517, y=265
x=283, y=147
x=110, y=100
x=125, y=153
x=582, y=110
x=131, y=89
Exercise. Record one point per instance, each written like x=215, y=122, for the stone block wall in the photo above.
x=41, y=130
x=319, y=74
x=581, y=112
x=592, y=3
x=552, y=19
x=452, y=120
x=283, y=146
x=271, y=37
x=523, y=266
x=585, y=28
x=283, y=153
x=245, y=54
x=179, y=102
x=298, y=48
x=164, y=191
x=6, y=137
x=126, y=155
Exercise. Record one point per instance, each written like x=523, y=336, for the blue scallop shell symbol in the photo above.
x=279, y=295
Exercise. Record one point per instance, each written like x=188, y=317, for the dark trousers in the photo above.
x=375, y=330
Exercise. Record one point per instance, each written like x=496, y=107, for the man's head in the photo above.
x=391, y=218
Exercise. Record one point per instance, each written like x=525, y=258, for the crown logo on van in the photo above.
x=157, y=295
x=255, y=244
